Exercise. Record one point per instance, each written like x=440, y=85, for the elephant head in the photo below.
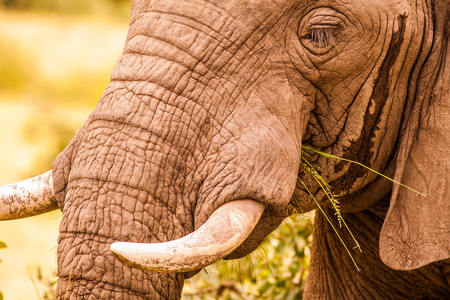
x=193, y=151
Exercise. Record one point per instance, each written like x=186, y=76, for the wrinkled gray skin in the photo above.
x=212, y=101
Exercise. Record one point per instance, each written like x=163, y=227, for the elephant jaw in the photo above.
x=224, y=231
x=28, y=198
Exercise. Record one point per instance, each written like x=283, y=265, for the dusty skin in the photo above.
x=209, y=106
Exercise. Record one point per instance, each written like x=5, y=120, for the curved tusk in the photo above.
x=220, y=235
x=27, y=198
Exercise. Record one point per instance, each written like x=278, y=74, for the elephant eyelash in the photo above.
x=322, y=36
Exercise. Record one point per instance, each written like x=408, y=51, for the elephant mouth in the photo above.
x=225, y=230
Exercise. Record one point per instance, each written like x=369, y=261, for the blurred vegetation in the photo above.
x=54, y=66
x=277, y=270
x=2, y=246
x=49, y=293
x=118, y=8
x=56, y=84
x=19, y=76
x=59, y=102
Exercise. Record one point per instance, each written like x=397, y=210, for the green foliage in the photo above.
x=276, y=270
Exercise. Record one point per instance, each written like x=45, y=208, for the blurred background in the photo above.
x=56, y=57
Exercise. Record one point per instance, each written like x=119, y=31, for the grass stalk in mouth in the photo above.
x=359, y=164
x=324, y=186
x=326, y=189
x=334, y=228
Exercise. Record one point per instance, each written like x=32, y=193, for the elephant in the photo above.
x=193, y=153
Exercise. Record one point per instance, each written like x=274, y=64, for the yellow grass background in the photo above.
x=53, y=70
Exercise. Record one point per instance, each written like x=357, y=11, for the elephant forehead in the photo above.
x=213, y=9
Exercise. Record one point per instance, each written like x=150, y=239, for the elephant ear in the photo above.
x=416, y=230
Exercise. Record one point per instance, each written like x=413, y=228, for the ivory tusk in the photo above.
x=220, y=235
x=27, y=198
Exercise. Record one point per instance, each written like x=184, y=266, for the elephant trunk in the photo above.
x=27, y=198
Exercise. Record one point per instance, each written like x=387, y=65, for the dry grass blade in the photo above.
x=326, y=189
x=360, y=164
x=309, y=169
x=323, y=185
x=329, y=221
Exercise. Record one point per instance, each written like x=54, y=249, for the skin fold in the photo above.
x=212, y=101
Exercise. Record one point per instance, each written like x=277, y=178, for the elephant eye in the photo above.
x=320, y=39
x=320, y=31
x=322, y=36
